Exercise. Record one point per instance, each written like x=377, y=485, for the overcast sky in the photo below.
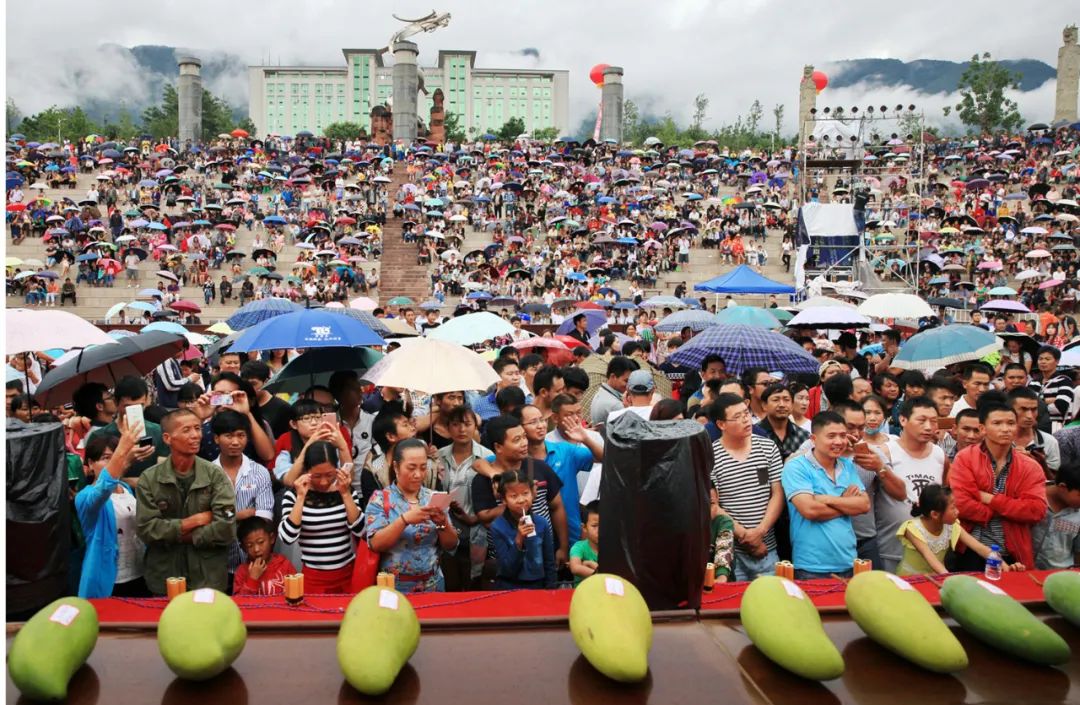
x=671, y=50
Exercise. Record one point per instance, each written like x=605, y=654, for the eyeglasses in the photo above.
x=534, y=422
x=740, y=416
x=310, y=418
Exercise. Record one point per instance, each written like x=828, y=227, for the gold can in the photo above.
x=386, y=580
x=785, y=569
x=710, y=577
x=294, y=589
x=862, y=566
x=175, y=587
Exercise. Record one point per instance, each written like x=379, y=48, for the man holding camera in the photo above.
x=132, y=391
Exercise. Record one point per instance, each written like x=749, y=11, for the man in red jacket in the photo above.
x=1000, y=491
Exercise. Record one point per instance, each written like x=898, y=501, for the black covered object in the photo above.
x=38, y=515
x=654, y=501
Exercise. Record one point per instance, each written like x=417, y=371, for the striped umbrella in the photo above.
x=743, y=347
x=696, y=320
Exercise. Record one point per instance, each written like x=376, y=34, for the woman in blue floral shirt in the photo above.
x=401, y=527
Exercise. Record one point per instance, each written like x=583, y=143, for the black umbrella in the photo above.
x=134, y=355
x=1027, y=343
x=946, y=302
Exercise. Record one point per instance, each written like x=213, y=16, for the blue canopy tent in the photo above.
x=743, y=280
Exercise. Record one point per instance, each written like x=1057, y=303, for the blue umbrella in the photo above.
x=167, y=326
x=478, y=295
x=748, y=316
x=275, y=219
x=157, y=226
x=743, y=347
x=594, y=320
x=144, y=306
x=258, y=311
x=625, y=305
x=307, y=329
x=576, y=277
x=696, y=320
x=148, y=183
x=88, y=257
x=947, y=345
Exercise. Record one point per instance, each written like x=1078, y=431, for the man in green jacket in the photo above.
x=186, y=512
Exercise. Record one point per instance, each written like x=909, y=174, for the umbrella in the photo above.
x=1005, y=305
x=185, y=305
x=28, y=330
x=595, y=320
x=829, y=317
x=539, y=342
x=318, y=365
x=472, y=328
x=410, y=367
x=662, y=301
x=166, y=326
x=743, y=347
x=822, y=301
x=306, y=328
x=1002, y=291
x=135, y=355
x=259, y=311
x=363, y=303
x=747, y=316
x=697, y=320
x=937, y=347
x=167, y=275
x=895, y=306
x=1027, y=343
x=400, y=301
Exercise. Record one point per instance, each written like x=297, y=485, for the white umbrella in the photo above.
x=833, y=317
x=472, y=328
x=197, y=338
x=1038, y=254
x=413, y=366
x=1029, y=274
x=116, y=308
x=44, y=330
x=895, y=306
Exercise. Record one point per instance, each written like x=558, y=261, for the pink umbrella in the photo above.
x=363, y=303
x=993, y=265
x=1051, y=283
x=539, y=342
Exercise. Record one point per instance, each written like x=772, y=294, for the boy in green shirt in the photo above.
x=584, y=553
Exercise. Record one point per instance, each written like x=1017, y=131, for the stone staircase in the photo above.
x=400, y=275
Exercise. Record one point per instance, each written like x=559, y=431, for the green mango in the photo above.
x=378, y=636
x=51, y=646
x=1062, y=592
x=785, y=625
x=201, y=633
x=612, y=627
x=897, y=616
x=991, y=615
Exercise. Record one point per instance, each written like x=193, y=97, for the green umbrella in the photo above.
x=133, y=213
x=400, y=301
x=317, y=365
x=223, y=187
x=258, y=271
x=782, y=315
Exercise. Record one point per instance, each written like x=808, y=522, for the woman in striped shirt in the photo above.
x=323, y=512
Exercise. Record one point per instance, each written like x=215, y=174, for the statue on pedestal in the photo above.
x=437, y=129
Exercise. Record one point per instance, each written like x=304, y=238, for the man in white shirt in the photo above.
x=977, y=378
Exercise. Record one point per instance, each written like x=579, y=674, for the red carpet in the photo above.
x=519, y=604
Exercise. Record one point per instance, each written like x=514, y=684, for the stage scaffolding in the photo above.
x=880, y=151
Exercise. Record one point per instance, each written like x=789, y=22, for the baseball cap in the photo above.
x=640, y=382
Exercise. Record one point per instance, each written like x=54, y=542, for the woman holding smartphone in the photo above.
x=402, y=526
x=322, y=512
x=113, y=564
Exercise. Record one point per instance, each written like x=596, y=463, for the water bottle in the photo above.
x=993, y=564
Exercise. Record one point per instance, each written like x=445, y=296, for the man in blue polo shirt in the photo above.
x=824, y=491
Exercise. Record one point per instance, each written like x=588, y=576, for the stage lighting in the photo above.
x=870, y=109
x=911, y=107
x=826, y=111
x=855, y=109
x=813, y=111
x=884, y=109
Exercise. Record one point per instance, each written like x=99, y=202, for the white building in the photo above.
x=287, y=99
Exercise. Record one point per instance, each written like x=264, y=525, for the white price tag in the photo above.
x=792, y=589
x=899, y=582
x=614, y=586
x=992, y=588
x=65, y=615
x=205, y=596
x=388, y=599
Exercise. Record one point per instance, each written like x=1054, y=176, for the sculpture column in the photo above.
x=611, y=98
x=807, y=101
x=406, y=85
x=1068, y=77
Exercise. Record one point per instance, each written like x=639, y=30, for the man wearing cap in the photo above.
x=639, y=395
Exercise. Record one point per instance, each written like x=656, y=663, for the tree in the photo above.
x=455, y=132
x=778, y=118
x=58, y=124
x=701, y=105
x=13, y=116
x=163, y=120
x=546, y=134
x=511, y=129
x=983, y=105
x=753, y=118
x=630, y=118
x=246, y=123
x=342, y=131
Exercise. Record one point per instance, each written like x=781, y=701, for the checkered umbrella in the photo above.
x=697, y=320
x=743, y=347
x=259, y=311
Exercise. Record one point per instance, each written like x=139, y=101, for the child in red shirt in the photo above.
x=265, y=571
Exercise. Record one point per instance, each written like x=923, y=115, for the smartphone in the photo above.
x=862, y=447
x=146, y=442
x=69, y=406
x=221, y=399
x=331, y=418
x=134, y=415
x=946, y=423
x=439, y=500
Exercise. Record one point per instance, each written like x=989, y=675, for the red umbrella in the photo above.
x=225, y=226
x=16, y=207
x=345, y=220
x=588, y=305
x=185, y=305
x=569, y=341
x=239, y=133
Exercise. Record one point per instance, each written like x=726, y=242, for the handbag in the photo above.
x=366, y=565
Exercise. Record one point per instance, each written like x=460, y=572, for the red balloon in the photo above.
x=820, y=80
x=596, y=75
